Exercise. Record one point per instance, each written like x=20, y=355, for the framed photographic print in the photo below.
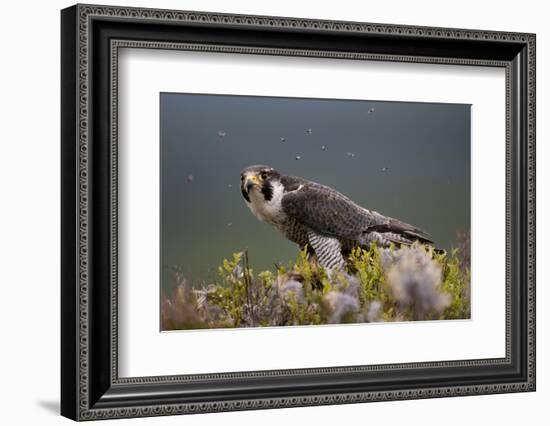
x=263, y=212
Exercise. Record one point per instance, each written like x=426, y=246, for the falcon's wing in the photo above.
x=395, y=230
x=327, y=212
x=330, y=213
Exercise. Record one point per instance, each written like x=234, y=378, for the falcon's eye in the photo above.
x=263, y=175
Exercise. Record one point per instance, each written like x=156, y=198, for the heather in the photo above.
x=378, y=285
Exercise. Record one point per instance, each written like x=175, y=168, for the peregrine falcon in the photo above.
x=319, y=217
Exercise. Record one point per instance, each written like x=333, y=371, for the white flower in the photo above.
x=238, y=271
x=415, y=280
x=340, y=305
x=388, y=257
x=291, y=288
x=346, y=283
x=373, y=314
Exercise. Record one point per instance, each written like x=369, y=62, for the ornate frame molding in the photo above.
x=78, y=24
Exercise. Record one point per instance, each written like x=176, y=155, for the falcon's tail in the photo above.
x=402, y=232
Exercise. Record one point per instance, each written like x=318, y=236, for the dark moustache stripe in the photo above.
x=245, y=195
x=267, y=190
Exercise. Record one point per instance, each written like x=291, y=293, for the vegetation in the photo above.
x=410, y=283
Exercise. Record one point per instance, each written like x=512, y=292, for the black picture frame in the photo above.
x=90, y=386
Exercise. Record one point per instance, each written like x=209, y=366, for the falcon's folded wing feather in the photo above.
x=329, y=213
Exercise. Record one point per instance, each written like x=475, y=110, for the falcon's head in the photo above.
x=260, y=183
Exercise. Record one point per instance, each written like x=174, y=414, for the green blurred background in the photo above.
x=403, y=159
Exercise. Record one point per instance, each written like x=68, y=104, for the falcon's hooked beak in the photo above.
x=250, y=181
